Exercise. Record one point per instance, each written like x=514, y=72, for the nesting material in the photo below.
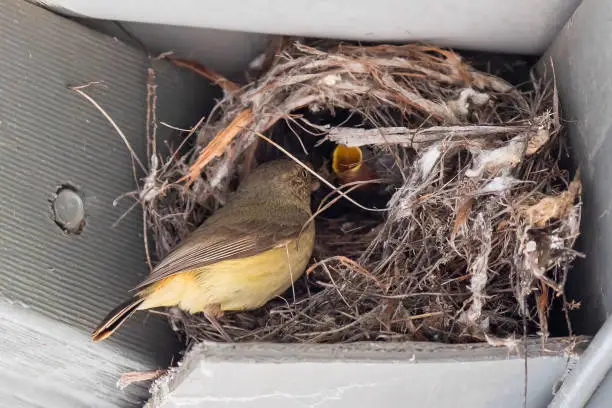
x=476, y=240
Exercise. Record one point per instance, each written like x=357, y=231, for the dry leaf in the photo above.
x=538, y=140
x=551, y=207
x=462, y=215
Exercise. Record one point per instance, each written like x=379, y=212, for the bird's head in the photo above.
x=280, y=177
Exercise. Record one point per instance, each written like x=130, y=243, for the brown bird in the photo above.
x=246, y=253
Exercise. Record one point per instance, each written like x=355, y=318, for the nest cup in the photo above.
x=467, y=218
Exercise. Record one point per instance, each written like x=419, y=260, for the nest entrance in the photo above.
x=480, y=219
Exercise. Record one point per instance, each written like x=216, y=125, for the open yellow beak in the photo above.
x=346, y=159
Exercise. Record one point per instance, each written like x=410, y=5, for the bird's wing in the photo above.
x=215, y=243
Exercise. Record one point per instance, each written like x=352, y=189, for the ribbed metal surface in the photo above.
x=50, y=136
x=44, y=364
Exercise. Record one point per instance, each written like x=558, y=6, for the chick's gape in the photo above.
x=245, y=254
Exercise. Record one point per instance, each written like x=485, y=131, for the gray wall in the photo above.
x=581, y=57
x=520, y=26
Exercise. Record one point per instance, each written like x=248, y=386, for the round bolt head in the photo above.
x=69, y=210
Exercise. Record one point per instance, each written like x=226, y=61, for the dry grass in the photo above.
x=466, y=250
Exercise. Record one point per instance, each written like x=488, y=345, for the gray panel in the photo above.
x=360, y=375
x=226, y=52
x=603, y=394
x=61, y=285
x=520, y=26
x=43, y=364
x=582, y=69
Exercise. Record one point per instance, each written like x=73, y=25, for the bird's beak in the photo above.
x=349, y=166
x=346, y=159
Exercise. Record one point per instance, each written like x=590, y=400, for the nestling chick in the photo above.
x=246, y=253
x=348, y=165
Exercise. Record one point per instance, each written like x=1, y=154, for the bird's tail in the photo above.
x=115, y=318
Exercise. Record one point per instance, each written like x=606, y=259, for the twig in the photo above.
x=145, y=236
x=417, y=138
x=424, y=315
x=185, y=139
x=324, y=205
x=169, y=126
x=151, y=113
x=125, y=213
x=347, y=262
x=525, y=361
x=163, y=55
x=78, y=89
x=557, y=121
x=217, y=146
x=213, y=76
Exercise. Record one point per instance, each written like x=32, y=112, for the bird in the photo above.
x=246, y=253
x=349, y=166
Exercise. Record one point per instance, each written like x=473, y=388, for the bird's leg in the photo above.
x=176, y=318
x=212, y=313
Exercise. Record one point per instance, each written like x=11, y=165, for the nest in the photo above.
x=466, y=232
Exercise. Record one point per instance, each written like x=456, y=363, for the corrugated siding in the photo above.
x=49, y=136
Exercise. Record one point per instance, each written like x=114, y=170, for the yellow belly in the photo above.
x=235, y=284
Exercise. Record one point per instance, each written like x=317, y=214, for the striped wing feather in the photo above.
x=210, y=244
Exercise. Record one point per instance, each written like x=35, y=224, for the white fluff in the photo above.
x=258, y=61
x=150, y=190
x=461, y=106
x=501, y=159
x=499, y=184
x=331, y=79
x=429, y=159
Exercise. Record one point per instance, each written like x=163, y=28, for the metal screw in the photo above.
x=69, y=210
